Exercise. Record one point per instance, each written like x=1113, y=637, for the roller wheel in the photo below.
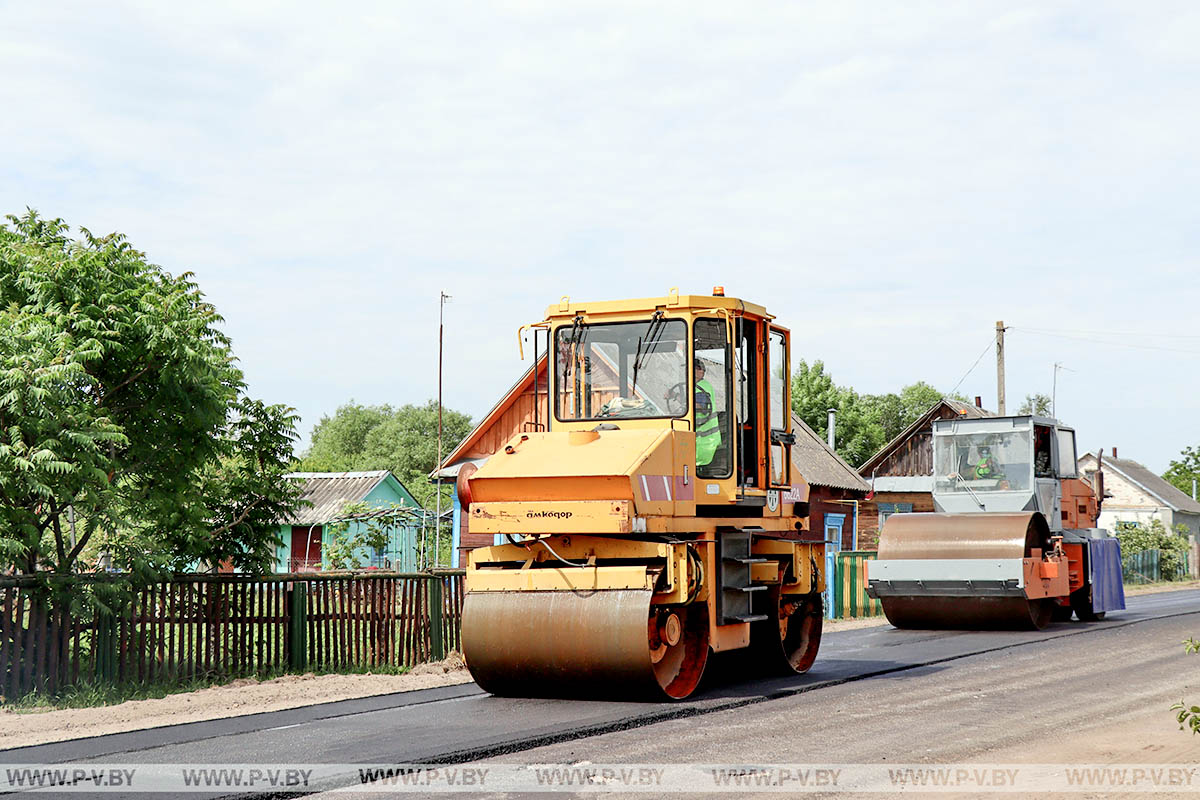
x=967, y=613
x=1081, y=602
x=787, y=642
x=610, y=643
x=678, y=641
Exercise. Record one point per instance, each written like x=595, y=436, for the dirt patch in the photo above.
x=240, y=697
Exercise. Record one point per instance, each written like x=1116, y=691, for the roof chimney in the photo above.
x=832, y=427
x=978, y=401
x=1114, y=455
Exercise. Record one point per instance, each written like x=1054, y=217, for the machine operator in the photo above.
x=708, y=428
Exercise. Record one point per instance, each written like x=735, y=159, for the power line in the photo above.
x=1107, y=342
x=1142, y=334
x=973, y=366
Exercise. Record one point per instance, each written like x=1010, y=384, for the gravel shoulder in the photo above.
x=246, y=696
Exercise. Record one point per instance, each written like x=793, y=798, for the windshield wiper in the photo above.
x=959, y=478
x=657, y=325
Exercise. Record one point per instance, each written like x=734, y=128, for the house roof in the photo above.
x=1155, y=486
x=458, y=453
x=330, y=491
x=959, y=408
x=820, y=465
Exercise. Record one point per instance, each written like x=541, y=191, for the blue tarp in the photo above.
x=1108, y=589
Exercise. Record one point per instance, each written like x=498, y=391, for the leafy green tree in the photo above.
x=865, y=422
x=1182, y=471
x=349, y=538
x=1036, y=404
x=403, y=440
x=121, y=410
x=814, y=393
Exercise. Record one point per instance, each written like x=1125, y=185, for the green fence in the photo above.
x=850, y=586
x=1149, y=566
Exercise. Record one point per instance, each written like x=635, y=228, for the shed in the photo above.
x=305, y=536
x=901, y=473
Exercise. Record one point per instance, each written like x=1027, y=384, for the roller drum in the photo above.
x=964, y=536
x=565, y=643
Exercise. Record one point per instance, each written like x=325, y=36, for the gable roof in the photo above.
x=925, y=420
x=819, y=465
x=330, y=491
x=523, y=383
x=1157, y=487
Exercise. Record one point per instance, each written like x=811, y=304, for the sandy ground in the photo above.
x=247, y=696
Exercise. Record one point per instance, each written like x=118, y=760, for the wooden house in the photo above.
x=305, y=535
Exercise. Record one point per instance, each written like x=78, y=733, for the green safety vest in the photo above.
x=708, y=428
x=985, y=468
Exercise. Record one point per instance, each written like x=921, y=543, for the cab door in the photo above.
x=778, y=406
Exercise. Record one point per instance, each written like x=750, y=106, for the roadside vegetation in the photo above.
x=129, y=441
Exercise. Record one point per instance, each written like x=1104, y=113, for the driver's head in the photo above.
x=699, y=369
x=985, y=451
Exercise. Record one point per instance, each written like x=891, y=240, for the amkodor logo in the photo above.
x=549, y=514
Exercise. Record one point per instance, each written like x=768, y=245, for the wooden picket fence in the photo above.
x=195, y=627
x=850, y=598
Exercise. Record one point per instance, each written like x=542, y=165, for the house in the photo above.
x=306, y=535
x=901, y=473
x=1133, y=493
x=835, y=489
x=515, y=412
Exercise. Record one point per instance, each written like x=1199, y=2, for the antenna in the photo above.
x=437, y=520
x=1054, y=391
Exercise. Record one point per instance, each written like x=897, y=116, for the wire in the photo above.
x=972, y=369
x=560, y=558
x=1113, y=333
x=1106, y=342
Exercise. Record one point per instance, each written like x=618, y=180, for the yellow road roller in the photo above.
x=653, y=516
x=1013, y=542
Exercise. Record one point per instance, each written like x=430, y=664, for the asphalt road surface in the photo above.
x=863, y=698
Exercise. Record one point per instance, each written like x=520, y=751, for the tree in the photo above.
x=1184, y=470
x=403, y=440
x=814, y=393
x=1036, y=404
x=866, y=422
x=122, y=414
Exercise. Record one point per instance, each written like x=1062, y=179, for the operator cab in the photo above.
x=712, y=365
x=1002, y=464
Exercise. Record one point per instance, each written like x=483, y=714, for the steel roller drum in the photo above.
x=964, y=536
x=564, y=644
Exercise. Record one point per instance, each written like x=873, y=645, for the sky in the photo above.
x=889, y=179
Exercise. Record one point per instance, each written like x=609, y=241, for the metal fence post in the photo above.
x=298, y=627
x=437, y=644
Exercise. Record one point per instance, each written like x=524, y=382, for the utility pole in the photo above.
x=1000, y=409
x=437, y=520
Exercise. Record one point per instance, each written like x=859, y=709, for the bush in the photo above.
x=1173, y=547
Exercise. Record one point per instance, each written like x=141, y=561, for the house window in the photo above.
x=887, y=509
